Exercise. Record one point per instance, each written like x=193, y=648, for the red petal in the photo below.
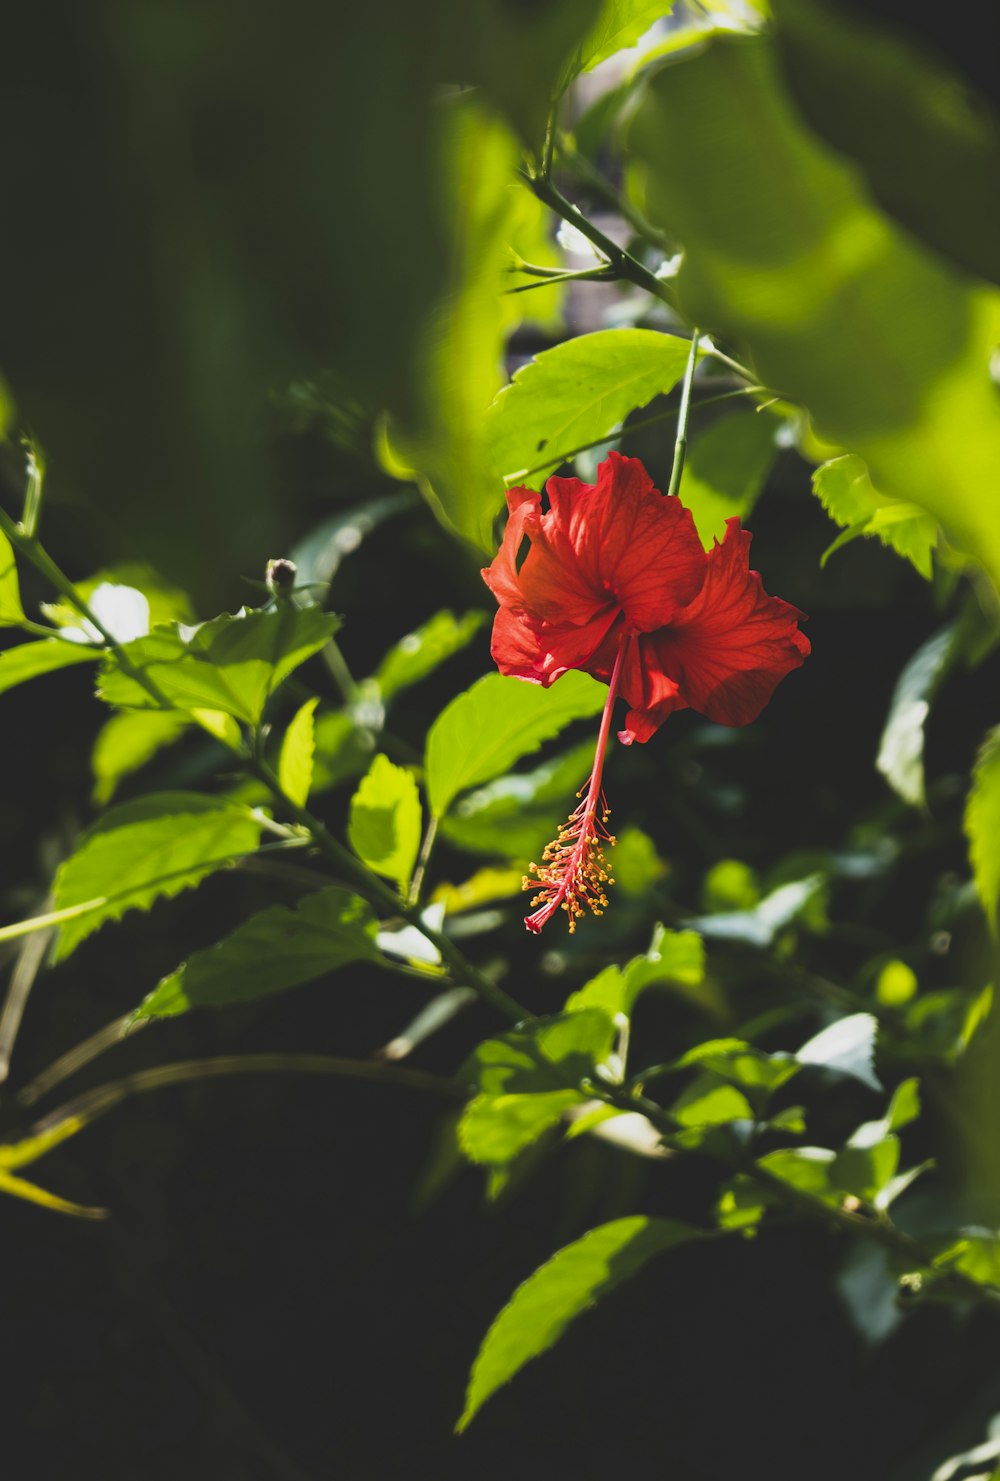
x=501, y=577
x=528, y=648
x=731, y=646
x=628, y=540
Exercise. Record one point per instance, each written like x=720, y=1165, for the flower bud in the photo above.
x=280, y=576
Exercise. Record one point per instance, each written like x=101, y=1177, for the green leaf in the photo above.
x=785, y=255
x=809, y=1169
x=730, y=885
x=384, y=827
x=572, y=1281
x=494, y=1129
x=619, y=23
x=638, y=866
x=576, y=392
x=144, y=851
x=845, y=491
x=513, y=815
x=674, y=957
x=126, y=742
x=30, y=660
x=295, y=763
x=752, y=1071
x=847, y=1046
x=342, y=750
x=865, y=1170
x=278, y=948
x=444, y=444
x=769, y=916
x=496, y=722
x=709, y=1101
x=551, y=1054
x=982, y=826
x=726, y=468
x=11, y=611
x=901, y=749
x=896, y=984
x=928, y=143
x=422, y=651
x=232, y=664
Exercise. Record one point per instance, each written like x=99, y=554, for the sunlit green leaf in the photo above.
x=462, y=351
x=730, y=885
x=278, y=948
x=896, y=984
x=576, y=392
x=726, y=468
x=674, y=957
x=573, y=1280
x=708, y=1101
x=494, y=1129
x=11, y=611
x=126, y=742
x=636, y=862
x=845, y=314
x=846, y=492
x=384, y=826
x=982, y=826
x=145, y=850
x=420, y=652
x=496, y=722
x=848, y=1046
x=230, y=664
x=619, y=23
x=809, y=1169
x=30, y=660
x=295, y=762
x=551, y=1054
x=901, y=750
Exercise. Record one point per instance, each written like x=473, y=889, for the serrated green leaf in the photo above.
x=901, y=749
x=384, y=826
x=846, y=492
x=572, y=1281
x=676, y=957
x=513, y=815
x=982, y=826
x=847, y=1046
x=619, y=23
x=576, y=392
x=232, y=664
x=496, y=722
x=144, y=851
x=494, y=1129
x=278, y=948
x=126, y=742
x=809, y=1169
x=422, y=651
x=786, y=255
x=708, y=1101
x=31, y=660
x=295, y=763
x=726, y=468
x=551, y=1054
x=11, y=611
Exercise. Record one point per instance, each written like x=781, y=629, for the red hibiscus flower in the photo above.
x=612, y=579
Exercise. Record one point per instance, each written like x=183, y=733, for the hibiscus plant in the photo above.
x=654, y=290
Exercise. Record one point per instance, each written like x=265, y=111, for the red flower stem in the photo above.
x=571, y=872
x=594, y=791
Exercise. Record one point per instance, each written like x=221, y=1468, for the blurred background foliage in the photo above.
x=252, y=303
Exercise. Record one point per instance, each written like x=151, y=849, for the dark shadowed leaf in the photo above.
x=276, y=949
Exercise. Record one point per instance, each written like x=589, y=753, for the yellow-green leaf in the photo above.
x=295, y=762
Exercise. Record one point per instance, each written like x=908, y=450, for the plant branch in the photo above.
x=680, y=443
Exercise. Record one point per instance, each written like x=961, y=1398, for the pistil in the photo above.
x=574, y=873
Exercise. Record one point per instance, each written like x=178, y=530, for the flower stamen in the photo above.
x=574, y=873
